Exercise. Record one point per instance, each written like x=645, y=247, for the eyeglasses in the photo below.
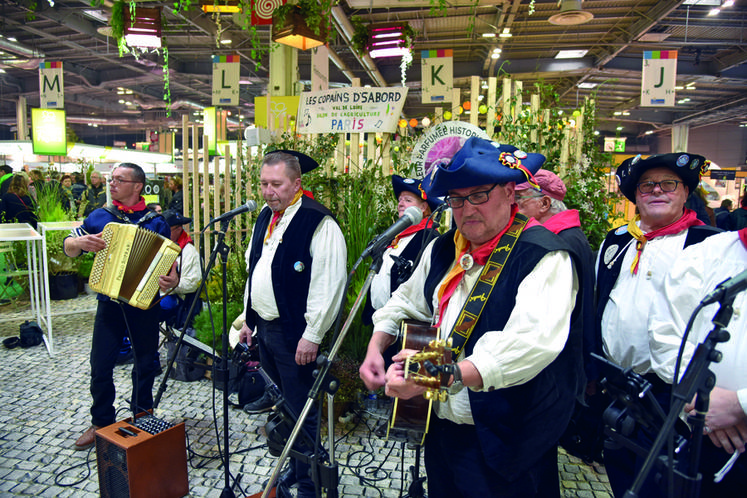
x=475, y=198
x=665, y=186
x=117, y=181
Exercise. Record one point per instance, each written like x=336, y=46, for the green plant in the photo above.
x=314, y=12
x=49, y=209
x=85, y=265
x=203, y=324
x=345, y=369
x=361, y=35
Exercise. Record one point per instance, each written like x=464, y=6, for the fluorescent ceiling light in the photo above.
x=488, y=35
x=495, y=55
x=714, y=11
x=702, y=2
x=587, y=85
x=506, y=33
x=571, y=54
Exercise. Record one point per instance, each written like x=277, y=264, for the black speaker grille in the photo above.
x=112, y=463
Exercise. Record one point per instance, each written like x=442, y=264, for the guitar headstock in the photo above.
x=424, y=368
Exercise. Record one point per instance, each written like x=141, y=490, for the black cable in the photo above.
x=58, y=477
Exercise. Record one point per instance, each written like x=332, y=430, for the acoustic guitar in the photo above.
x=411, y=417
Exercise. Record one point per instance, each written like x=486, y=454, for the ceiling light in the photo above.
x=596, y=132
x=387, y=40
x=225, y=41
x=619, y=128
x=587, y=85
x=727, y=3
x=570, y=13
x=617, y=113
x=222, y=6
x=648, y=132
x=654, y=37
x=679, y=87
x=495, y=55
x=144, y=30
x=488, y=35
x=296, y=33
x=12, y=38
x=506, y=33
x=626, y=113
x=571, y=54
x=2, y=71
x=714, y=11
x=497, y=50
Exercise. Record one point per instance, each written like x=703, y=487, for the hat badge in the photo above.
x=509, y=160
x=520, y=154
x=683, y=160
x=695, y=164
x=409, y=181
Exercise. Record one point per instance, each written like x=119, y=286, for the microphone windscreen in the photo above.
x=414, y=213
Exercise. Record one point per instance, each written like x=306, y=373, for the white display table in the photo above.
x=35, y=254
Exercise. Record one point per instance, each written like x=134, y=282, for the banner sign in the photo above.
x=48, y=132
x=357, y=110
x=614, y=144
x=51, y=86
x=723, y=174
x=282, y=110
x=659, y=78
x=262, y=11
x=226, y=72
x=437, y=75
x=441, y=143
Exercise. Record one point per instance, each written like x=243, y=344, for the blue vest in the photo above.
x=517, y=425
x=290, y=285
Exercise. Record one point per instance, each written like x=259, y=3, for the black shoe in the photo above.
x=263, y=404
x=287, y=475
x=283, y=491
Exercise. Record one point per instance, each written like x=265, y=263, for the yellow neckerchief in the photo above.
x=278, y=214
x=638, y=235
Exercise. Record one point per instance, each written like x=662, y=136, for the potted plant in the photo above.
x=62, y=270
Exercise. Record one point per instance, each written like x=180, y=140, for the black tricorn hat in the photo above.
x=306, y=162
x=687, y=166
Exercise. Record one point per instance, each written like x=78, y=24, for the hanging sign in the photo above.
x=659, y=78
x=437, y=75
x=48, y=132
x=51, y=86
x=262, y=11
x=614, y=144
x=441, y=143
x=344, y=110
x=226, y=71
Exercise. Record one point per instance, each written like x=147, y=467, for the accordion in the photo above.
x=127, y=269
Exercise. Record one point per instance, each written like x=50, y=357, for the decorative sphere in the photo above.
x=447, y=115
x=482, y=109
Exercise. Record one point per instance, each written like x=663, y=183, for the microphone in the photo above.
x=726, y=290
x=249, y=206
x=412, y=216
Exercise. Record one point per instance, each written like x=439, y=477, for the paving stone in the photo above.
x=40, y=427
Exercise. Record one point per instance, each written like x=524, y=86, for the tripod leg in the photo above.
x=416, y=489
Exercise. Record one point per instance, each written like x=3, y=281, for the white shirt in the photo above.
x=695, y=273
x=328, y=275
x=381, y=284
x=631, y=302
x=534, y=335
x=188, y=265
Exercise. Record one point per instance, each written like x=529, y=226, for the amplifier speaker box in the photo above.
x=145, y=465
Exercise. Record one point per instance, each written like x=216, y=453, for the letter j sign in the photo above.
x=659, y=78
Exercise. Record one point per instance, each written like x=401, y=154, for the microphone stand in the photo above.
x=221, y=372
x=697, y=379
x=323, y=380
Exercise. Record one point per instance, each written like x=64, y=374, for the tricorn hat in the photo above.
x=306, y=162
x=175, y=218
x=413, y=186
x=482, y=162
x=687, y=166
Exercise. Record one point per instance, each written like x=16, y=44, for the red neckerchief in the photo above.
x=140, y=206
x=687, y=220
x=184, y=239
x=480, y=257
x=743, y=237
x=307, y=193
x=563, y=220
x=409, y=231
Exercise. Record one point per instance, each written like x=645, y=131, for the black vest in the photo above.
x=517, y=425
x=607, y=276
x=290, y=285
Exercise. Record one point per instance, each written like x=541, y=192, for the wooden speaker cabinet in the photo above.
x=145, y=465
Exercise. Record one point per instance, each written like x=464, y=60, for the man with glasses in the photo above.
x=504, y=293
x=110, y=326
x=545, y=204
x=630, y=269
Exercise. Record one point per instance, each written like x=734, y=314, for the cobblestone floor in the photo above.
x=44, y=407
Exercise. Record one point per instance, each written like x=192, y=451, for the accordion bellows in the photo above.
x=127, y=269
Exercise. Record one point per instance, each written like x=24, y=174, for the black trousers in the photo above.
x=109, y=328
x=277, y=355
x=455, y=467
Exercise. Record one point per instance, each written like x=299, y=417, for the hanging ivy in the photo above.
x=166, y=80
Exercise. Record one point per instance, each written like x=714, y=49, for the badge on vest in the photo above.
x=621, y=230
x=299, y=266
x=609, y=253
